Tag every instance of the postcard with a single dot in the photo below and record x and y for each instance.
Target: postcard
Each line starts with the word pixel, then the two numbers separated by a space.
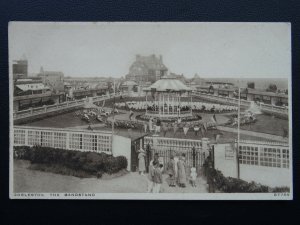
pixel 150 110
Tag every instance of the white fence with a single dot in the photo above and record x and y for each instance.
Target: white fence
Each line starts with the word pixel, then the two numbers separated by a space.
pixel 267 163
pixel 264 154
pixel 57 107
pixel 80 140
pixel 228 100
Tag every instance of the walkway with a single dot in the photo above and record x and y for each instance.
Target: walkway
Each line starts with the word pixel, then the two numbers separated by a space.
pixel 33 181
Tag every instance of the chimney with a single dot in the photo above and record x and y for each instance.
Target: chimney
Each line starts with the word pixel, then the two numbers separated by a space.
pixel 160 58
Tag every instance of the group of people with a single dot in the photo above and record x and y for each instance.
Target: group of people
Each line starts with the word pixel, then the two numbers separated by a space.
pixel 196 106
pixel 175 168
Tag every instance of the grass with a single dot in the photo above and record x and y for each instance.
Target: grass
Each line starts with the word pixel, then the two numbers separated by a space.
pixel 268 124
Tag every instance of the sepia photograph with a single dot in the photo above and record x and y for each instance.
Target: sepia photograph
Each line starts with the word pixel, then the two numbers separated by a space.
pixel 150 110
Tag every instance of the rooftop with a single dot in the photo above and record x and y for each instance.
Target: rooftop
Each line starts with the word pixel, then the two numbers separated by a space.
pixel 151 62
pixel 168 83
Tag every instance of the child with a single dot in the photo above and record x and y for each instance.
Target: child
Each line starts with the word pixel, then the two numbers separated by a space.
pixel 157 178
pixel 193 176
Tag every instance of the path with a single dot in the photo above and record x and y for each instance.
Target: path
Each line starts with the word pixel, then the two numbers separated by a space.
pixel 26 180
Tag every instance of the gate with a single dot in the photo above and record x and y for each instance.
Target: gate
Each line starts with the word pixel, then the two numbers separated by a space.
pixel 165 147
pixel 135 147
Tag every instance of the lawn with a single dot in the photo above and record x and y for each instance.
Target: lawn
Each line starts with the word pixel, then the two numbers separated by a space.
pixel 268 124
pixel 61 121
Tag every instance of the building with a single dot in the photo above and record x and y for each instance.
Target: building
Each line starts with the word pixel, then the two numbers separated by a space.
pixel 20 69
pixel 29 87
pixel 147 68
pixel 271 98
pixel 129 86
pixel 53 79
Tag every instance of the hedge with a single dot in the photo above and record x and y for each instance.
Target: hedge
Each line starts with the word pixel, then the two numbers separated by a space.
pixel 89 162
pixel 217 181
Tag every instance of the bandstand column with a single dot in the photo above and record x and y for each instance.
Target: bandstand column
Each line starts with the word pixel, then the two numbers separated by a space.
pixel 158 103
pixel 163 107
pixel 191 105
pixel 179 104
pixel 146 102
pixel 168 105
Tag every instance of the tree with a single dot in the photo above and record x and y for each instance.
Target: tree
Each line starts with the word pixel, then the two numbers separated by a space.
pixel 272 88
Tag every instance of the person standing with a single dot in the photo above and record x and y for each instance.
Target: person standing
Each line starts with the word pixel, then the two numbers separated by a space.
pixel 158 124
pixel 165 127
pixel 150 125
pixel 193 176
pixel 150 187
pixel 145 127
pixel 130 114
pixel 175 128
pixel 181 172
pixel 171 171
pixel 196 129
pixel 157 178
pixel 141 158
pixel 179 120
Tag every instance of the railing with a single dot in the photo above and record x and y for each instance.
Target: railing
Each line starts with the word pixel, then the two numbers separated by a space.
pixel 273 108
pixel 262 106
pixel 165 147
pixel 222 99
pixel 51 108
pixel 79 140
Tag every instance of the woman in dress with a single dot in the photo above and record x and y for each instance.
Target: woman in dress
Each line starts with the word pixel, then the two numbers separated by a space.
pixel 181 172
pixel 141 158
pixel 171 171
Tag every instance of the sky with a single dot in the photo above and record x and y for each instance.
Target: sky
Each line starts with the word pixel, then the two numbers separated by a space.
pixel 108 49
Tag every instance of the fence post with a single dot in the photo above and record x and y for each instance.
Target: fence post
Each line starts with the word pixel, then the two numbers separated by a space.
pixel 194 156
pixel 26 137
pixel 68 141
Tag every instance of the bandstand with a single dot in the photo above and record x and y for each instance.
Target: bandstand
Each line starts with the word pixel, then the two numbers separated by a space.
pixel 165 101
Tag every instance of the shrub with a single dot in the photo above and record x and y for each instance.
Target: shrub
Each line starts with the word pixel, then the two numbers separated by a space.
pixel 89 162
pixel 218 181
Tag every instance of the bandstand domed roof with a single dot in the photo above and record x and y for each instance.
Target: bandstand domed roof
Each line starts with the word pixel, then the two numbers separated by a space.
pixel 168 83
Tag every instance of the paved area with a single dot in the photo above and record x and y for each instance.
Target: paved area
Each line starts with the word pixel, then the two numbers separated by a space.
pixel 26 180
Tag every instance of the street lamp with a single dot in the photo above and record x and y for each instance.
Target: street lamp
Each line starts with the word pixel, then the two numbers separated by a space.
pixel 238 131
